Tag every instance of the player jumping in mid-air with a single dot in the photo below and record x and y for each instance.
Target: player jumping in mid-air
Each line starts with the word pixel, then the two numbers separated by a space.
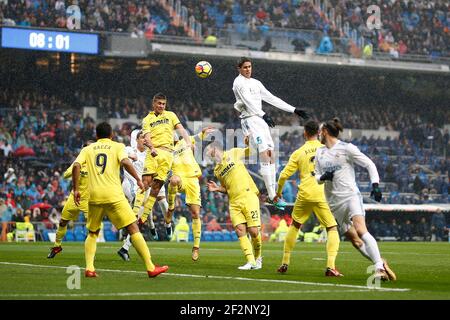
pixel 310 198
pixel 158 129
pixel 103 160
pixel 243 199
pixel 136 152
pixel 185 175
pixel 70 211
pixel 334 166
pixel 255 122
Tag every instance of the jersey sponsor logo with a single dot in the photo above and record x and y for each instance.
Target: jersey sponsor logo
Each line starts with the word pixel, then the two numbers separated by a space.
pixel 330 167
pixel 158 122
pixel 227 169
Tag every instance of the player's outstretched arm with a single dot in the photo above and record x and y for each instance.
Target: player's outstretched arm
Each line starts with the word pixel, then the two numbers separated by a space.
pixel 68 173
pixel 76 168
pixel 288 171
pixel 213 187
pixel 148 143
pixel 180 129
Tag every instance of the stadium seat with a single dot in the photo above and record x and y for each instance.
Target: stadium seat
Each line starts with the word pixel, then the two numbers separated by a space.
pixel 191 236
pixel 226 235
pixel 69 236
pixel 207 236
pixel 234 236
pixel 110 235
pixel 217 236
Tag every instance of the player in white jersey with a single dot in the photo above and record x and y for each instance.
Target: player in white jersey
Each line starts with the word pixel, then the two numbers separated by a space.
pixel 334 166
pixel 137 153
pixel 249 94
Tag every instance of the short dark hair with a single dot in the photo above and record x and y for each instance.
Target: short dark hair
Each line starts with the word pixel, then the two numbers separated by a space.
pixel 242 60
pixel 333 126
pixel 139 134
pixel 159 96
pixel 103 130
pixel 311 128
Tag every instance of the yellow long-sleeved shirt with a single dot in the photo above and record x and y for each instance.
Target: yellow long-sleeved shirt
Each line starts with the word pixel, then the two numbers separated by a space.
pixel 303 161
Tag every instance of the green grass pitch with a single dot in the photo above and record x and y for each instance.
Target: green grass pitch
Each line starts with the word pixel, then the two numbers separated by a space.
pixel 26 273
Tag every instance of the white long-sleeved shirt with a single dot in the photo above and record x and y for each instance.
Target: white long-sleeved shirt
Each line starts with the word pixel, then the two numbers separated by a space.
pixel 249 95
pixel 341 159
pixel 138 164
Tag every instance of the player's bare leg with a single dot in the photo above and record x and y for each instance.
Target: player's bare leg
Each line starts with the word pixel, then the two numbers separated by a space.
pixel 246 246
pixel 371 247
pixel 359 245
pixel 196 230
pixel 60 233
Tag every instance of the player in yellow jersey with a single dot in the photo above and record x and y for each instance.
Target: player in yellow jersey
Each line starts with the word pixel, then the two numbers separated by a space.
pixel 70 211
pixel 103 160
pixel 242 193
pixel 185 178
pixel 158 128
pixel 310 198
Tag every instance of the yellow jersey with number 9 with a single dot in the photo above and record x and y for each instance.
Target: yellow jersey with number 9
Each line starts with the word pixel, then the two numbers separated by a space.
pixel 102 160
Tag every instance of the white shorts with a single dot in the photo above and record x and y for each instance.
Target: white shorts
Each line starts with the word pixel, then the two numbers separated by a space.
pixel 130 188
pixel 259 133
pixel 344 211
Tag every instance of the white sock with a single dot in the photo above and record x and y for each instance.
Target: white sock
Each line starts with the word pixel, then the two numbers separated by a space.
pixel 267 174
pixel 372 250
pixel 273 178
pixel 164 205
pixel 127 243
pixel 150 220
pixel 363 251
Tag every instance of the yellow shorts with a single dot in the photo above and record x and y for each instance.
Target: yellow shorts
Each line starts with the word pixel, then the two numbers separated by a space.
pixel 119 213
pixel 158 166
pixel 303 209
pixel 191 188
pixel 246 210
pixel 71 212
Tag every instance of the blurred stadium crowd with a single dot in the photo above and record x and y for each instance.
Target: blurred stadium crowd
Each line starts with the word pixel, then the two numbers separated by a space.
pixel 413 27
pixel 40 136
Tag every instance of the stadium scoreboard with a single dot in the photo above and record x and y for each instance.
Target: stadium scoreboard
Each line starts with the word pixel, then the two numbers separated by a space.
pixel 58 41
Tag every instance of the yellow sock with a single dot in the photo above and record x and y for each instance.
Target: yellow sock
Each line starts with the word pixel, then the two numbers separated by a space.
pixel 138 202
pixel 90 247
pixel 256 242
pixel 60 235
pixel 142 249
pixel 289 243
pixel 246 246
pixel 171 195
pixel 332 248
pixel 150 203
pixel 197 231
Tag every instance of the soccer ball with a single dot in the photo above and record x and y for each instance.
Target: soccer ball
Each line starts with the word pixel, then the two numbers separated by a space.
pixel 203 69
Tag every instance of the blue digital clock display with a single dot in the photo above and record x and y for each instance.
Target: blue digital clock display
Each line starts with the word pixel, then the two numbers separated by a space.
pixel 36 39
